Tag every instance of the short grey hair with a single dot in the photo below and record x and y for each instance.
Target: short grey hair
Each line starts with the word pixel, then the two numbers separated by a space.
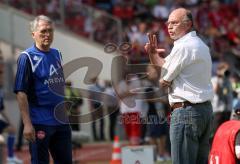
pixel 189 17
pixel 34 23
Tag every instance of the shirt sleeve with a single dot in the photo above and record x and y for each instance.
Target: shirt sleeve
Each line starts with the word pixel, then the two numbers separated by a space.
pixel 23 75
pixel 174 63
pixel 60 56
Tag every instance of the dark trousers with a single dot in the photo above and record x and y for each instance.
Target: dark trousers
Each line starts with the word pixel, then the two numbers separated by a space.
pixel 101 130
pixel 53 139
pixel 98 116
pixel 113 120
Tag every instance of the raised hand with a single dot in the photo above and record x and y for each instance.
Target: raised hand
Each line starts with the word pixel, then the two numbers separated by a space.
pixel 155 53
pixel 152 46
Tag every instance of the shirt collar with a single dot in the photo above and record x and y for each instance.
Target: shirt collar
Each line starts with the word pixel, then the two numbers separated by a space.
pixel 37 49
pixel 186 36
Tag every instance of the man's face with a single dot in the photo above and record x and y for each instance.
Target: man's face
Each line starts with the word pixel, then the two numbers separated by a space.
pixel 177 25
pixel 43 35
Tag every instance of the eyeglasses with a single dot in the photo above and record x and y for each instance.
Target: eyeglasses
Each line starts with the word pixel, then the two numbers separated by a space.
pixel 46 31
pixel 175 23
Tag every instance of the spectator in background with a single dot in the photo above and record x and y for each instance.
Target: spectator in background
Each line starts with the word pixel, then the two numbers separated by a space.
pixel 111 109
pixel 160 11
pixel 222 99
pixel 227 93
pixel 124 11
pixel 100 30
pixel 192 2
pixel 104 5
pixel 236 82
pixel 53 10
pixel 234 32
pixel 234 103
pixel 157 115
pixel 226 142
pixel 130 113
pixel 177 4
pixel 141 10
pixel 216 16
pixel 5 124
pixel 95 104
pixel 39 75
pixel 139 36
pixel 73 96
pixel 202 18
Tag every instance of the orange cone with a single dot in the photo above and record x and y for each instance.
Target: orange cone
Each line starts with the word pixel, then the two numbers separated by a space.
pixel 116 155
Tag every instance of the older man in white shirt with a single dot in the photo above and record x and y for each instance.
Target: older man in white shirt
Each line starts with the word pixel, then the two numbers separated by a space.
pixel 186 71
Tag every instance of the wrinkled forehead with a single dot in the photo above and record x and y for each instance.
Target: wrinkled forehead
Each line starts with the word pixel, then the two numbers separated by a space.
pixel 44 24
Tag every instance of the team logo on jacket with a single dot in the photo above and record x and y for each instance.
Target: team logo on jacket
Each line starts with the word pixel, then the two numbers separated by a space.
pixel 35 62
pixel 52 70
pixel 41 134
pixel 36 58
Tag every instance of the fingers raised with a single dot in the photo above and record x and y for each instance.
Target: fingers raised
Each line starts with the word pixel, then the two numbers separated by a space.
pixel 150 38
pixel 155 40
pixel 160 50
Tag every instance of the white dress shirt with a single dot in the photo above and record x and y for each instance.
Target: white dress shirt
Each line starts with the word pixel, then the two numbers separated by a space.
pixel 188 67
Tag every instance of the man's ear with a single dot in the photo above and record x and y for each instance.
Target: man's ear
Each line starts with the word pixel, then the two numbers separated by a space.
pixel 190 24
pixel 33 34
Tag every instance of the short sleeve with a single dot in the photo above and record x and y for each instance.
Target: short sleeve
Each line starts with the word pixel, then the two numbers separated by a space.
pixel 23 74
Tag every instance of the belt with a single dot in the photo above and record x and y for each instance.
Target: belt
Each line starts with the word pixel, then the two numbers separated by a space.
pixel 181 105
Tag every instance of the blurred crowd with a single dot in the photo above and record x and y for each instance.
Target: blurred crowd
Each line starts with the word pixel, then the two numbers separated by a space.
pixel 216 20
